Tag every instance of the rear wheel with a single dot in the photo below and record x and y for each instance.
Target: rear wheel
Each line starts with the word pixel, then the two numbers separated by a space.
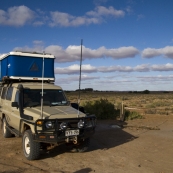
pixel 31 148
pixel 5 131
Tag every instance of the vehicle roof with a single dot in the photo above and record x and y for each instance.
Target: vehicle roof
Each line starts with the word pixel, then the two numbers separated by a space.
pixel 37 85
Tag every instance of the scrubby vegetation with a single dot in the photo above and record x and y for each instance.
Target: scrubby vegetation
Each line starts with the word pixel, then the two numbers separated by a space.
pixel 132 115
pixel 102 108
pixel 160 103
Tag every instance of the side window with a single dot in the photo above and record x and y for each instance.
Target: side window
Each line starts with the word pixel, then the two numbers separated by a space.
pixel 9 93
pixel 4 92
pixel 17 97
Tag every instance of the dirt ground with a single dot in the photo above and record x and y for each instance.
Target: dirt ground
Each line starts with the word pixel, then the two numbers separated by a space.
pixel 139 146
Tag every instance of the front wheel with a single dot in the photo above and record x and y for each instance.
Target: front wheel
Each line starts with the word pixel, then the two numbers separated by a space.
pixel 5 131
pixel 31 148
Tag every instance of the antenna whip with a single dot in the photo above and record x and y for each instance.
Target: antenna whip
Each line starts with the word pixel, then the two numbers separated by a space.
pixel 80 77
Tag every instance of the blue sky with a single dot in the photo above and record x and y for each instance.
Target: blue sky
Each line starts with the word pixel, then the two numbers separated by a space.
pixel 127 44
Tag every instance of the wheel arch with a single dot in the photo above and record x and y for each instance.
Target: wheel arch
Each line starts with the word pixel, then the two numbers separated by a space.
pixel 25 126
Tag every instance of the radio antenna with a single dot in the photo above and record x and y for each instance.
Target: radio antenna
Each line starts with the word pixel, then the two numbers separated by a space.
pixel 80 78
pixel 42 87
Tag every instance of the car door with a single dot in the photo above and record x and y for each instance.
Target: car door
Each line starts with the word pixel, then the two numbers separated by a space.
pixel 15 113
pixel 6 104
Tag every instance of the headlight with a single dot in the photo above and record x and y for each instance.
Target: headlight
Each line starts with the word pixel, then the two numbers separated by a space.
pixel 80 124
pixel 63 125
pixel 49 124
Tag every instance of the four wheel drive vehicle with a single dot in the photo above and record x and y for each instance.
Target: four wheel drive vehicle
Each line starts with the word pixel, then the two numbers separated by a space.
pixel 51 123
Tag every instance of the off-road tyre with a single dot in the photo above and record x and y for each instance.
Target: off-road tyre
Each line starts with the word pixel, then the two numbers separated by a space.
pixel 5 131
pixel 31 148
pixel 83 146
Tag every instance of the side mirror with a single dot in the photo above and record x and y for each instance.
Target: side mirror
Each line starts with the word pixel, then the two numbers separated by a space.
pixel 14 104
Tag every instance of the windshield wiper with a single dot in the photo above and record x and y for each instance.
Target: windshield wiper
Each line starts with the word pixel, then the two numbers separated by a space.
pixel 55 103
pixel 32 104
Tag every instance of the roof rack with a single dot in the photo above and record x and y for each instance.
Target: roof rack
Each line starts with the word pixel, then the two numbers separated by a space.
pixel 7 80
pixel 33 52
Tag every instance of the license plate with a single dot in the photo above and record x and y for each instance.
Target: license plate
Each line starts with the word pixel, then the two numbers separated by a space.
pixel 71 132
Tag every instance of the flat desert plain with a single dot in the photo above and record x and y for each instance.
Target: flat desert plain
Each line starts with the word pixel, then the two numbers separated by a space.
pixel 136 146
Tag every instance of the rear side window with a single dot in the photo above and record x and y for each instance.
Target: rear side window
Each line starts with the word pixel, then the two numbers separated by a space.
pixel 4 92
pixel 17 97
pixel 9 93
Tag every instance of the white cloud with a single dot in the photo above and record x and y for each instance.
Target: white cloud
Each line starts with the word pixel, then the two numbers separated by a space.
pixel 142 68
pixel 122 52
pixel 151 52
pixel 69 80
pixel 91 17
pixel 21 15
pixel 168 51
pixel 73 53
pixel 118 68
pixel 66 20
pixel 87 68
pixel 164 67
pixel 60 54
pixel 16 16
pixel 74 69
pixel 156 78
pixel 103 11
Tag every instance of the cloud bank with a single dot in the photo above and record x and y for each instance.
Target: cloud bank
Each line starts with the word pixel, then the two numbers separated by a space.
pixel 152 52
pixel 87 68
pixel 72 53
pixel 21 15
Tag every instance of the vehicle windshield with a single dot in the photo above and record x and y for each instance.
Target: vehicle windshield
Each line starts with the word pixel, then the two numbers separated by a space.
pixel 32 97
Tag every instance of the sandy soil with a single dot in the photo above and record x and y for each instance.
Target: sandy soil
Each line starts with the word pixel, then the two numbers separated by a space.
pixel 141 146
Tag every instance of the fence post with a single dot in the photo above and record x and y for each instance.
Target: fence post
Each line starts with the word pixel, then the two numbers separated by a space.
pixel 122 112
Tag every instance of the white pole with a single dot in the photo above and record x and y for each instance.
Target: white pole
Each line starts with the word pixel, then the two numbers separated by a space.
pixel 42 88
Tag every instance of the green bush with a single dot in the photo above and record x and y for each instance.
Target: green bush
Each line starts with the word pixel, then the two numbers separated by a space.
pixel 132 115
pixel 102 108
pixel 146 92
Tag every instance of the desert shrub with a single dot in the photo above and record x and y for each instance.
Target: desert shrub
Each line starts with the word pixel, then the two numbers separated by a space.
pixel 150 106
pixel 162 112
pixel 125 98
pixel 132 115
pixel 146 92
pixel 102 108
pixel 150 111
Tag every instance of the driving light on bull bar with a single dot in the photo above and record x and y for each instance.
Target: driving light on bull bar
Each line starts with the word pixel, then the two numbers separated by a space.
pixel 89 124
pixel 49 124
pixel 63 125
pixel 80 124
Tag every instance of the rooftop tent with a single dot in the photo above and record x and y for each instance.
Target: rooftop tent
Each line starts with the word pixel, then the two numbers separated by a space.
pixel 26 66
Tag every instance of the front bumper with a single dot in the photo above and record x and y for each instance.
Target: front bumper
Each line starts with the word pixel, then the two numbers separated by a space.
pixel 57 135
